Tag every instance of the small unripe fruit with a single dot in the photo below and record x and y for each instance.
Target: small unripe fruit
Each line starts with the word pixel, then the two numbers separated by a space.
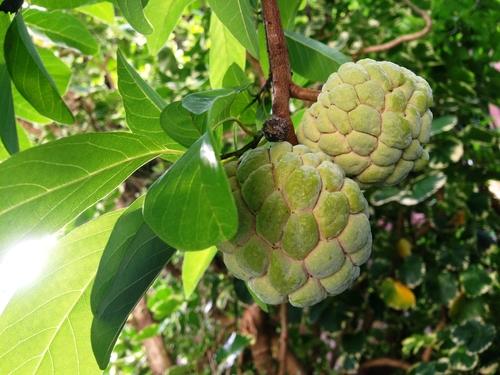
pixel 372 118
pixel 303 227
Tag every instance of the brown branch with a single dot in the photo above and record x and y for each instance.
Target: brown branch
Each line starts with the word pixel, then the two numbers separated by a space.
pixel 158 358
pixel 403 38
pixel 385 362
pixel 279 65
pixel 283 338
pixel 254 324
pixel 303 93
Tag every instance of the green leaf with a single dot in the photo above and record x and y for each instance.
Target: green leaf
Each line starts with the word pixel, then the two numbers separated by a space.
pixel 24 142
pixel 50 185
pixel 312 59
pixel 30 76
pixel 225 50
pixel 45 329
pixel 8 133
pixel 132 259
pixel 163 15
pixel 194 265
pixel 134 13
pixel 443 288
pixel 234 345
pixel 181 125
pixel 214 105
pixel 475 335
pixel 288 12
pixel 423 188
pixel 475 281
pixel 143 105
pixel 460 360
pixel 238 17
pixel 443 124
pixel 419 190
pixel 104 12
pixel 191 206
pixel 62 28
pixel 60 73
pixel 63 4
pixel 412 271
pixel 4 26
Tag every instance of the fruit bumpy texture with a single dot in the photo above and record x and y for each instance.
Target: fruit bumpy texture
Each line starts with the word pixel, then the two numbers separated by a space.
pixel 303 227
pixel 372 118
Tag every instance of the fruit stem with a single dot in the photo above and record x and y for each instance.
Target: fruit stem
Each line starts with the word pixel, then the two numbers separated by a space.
pixel 283 338
pixel 279 65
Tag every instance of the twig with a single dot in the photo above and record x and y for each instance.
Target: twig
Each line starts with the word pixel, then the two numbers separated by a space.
pixel 427 353
pixel 252 144
pixel 403 38
pixel 303 93
pixel 283 339
pixel 279 65
pixel 385 362
pixel 158 358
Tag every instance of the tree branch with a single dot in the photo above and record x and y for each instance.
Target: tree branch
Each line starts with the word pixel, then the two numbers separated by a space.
pixel 385 362
pixel 158 358
pixel 303 93
pixel 403 38
pixel 279 64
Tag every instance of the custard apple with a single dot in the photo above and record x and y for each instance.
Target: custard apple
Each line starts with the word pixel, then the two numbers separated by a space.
pixel 303 227
pixel 372 118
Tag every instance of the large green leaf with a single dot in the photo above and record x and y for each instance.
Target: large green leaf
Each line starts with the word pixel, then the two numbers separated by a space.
pixel 104 12
pixel 238 17
pixel 8 133
pixel 62 28
pixel 180 124
pixel 46 187
pixel 63 4
pixel 191 206
pixel 134 13
pixel 30 76
pixel 45 329
pixel 143 105
pixel 312 59
pixel 133 257
pixel 225 50
pixel 194 265
pixel 163 15
pixel 60 73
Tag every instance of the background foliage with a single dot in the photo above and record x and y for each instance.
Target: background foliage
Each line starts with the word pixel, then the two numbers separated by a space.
pixel 429 296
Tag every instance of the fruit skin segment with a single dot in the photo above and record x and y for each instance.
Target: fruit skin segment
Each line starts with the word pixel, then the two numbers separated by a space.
pixel 303 226
pixel 373 119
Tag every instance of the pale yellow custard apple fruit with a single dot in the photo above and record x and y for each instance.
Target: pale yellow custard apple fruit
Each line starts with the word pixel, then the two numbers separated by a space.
pixel 303 227
pixel 372 118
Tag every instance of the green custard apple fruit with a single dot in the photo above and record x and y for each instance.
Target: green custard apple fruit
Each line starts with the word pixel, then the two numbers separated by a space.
pixel 372 118
pixel 303 227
